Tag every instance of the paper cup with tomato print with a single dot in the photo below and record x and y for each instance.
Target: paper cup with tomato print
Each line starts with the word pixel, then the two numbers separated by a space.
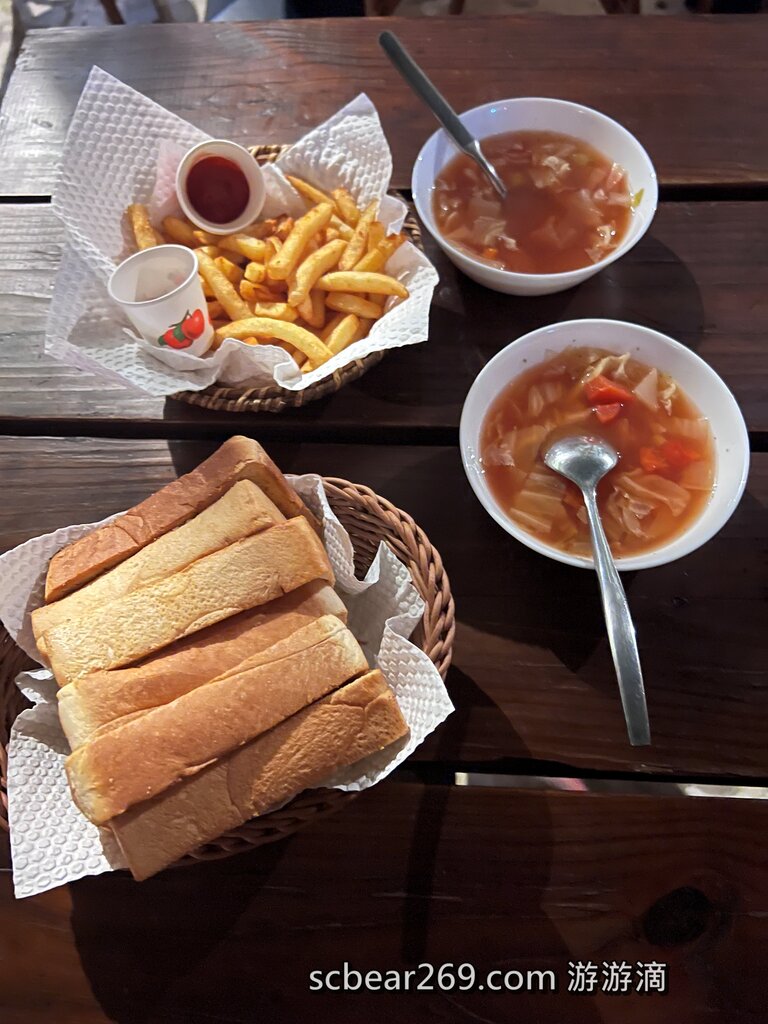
pixel 159 290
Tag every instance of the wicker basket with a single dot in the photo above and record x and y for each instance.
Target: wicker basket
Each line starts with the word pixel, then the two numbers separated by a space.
pixel 369 520
pixel 274 398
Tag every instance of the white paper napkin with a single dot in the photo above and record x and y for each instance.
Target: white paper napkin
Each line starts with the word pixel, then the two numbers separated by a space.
pixel 51 841
pixel 123 148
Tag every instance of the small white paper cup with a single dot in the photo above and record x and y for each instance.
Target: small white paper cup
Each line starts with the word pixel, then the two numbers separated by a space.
pixel 243 159
pixel 159 290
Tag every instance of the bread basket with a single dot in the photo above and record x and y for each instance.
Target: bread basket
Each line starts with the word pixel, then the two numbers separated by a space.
pixel 369 519
pixel 274 398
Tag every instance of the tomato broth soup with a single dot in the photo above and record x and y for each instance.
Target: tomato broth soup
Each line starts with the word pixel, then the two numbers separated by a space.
pixel 665 473
pixel 568 205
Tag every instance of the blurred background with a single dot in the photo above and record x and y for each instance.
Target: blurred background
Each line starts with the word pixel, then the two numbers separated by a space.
pixel 20 16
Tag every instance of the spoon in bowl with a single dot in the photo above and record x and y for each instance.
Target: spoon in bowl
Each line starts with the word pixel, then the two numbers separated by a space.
pixel 439 106
pixel 585 461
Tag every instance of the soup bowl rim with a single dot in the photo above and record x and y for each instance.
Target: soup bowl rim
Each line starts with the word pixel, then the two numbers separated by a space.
pixel 700 530
pixel 422 198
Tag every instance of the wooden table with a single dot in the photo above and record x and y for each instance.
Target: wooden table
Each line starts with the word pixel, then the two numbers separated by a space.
pixel 423 869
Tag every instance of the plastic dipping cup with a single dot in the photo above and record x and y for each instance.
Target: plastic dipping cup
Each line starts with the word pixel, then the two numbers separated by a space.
pixel 159 290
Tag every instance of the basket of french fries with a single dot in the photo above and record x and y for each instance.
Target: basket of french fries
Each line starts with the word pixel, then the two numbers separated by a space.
pixel 294 305
pixel 352 240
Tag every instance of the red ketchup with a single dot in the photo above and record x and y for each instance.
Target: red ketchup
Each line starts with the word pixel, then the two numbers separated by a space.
pixel 217 189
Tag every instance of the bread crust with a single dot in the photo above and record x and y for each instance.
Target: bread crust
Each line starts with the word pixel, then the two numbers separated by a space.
pixel 240 512
pixel 154 749
pixel 340 730
pixel 97 700
pixel 246 574
pixel 239 458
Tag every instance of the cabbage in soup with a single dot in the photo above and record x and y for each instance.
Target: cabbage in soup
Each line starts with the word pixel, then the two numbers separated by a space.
pixel 665 472
pixel 568 205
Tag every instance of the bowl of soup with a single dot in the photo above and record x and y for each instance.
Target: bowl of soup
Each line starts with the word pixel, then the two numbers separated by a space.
pixel 581 192
pixel 682 443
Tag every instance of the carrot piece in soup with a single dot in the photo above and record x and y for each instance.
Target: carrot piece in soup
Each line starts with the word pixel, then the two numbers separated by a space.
pixel 607 413
pixel 601 391
pixel 678 454
pixel 652 460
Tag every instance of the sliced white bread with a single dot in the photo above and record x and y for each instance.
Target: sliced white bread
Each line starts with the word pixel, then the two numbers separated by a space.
pixel 341 729
pixel 242 511
pixel 239 458
pixel 150 751
pixel 243 575
pixel 99 699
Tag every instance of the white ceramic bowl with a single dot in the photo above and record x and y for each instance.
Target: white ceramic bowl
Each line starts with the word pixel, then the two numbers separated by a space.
pixel 538 114
pixel 698 380
pixel 238 155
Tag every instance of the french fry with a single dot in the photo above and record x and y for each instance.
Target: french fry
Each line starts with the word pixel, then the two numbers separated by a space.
pixel 234 305
pixel 376 259
pixel 276 311
pixel 242 244
pixel 376 234
pixel 360 281
pixel 310 193
pixel 275 245
pixel 255 292
pixel 346 206
pixel 230 270
pixel 255 272
pixel 363 328
pixel 306 227
pixel 313 309
pixel 331 234
pixel 145 235
pixel 332 324
pixel 313 267
pixel 180 231
pixel 207 290
pixel 210 250
pixel 305 310
pixel 345 231
pixel 356 248
pixel 262 327
pixel 346 303
pixel 203 238
pixel 342 334
pixel 215 310
pixel 262 228
pixel 250 341
pixel 284 228
pixel 380 300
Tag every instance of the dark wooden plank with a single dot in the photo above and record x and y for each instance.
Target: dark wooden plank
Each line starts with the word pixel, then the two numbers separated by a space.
pixel 405 875
pixel 532 675
pixel 700 275
pixel 688 88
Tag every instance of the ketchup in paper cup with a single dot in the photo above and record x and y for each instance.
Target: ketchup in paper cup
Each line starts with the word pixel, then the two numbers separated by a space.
pixel 220 187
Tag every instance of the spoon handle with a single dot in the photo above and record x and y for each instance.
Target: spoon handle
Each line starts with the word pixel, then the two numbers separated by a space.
pixel 621 630
pixel 439 106
pixel 422 86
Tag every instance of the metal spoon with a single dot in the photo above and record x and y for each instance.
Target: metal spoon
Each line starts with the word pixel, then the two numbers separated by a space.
pixel 585 461
pixel 437 103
